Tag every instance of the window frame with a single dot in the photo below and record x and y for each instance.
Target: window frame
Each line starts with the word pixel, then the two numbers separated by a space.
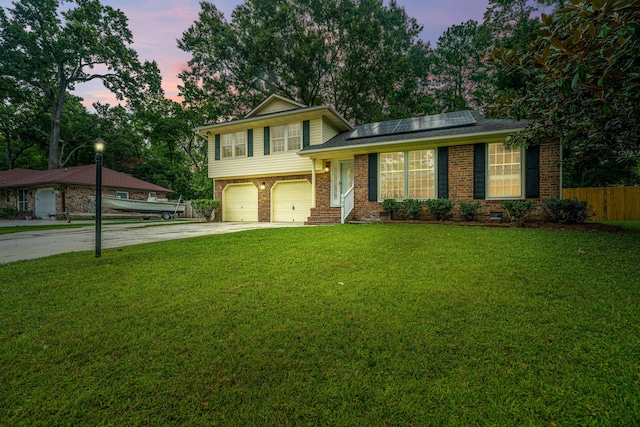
pixel 125 193
pixel 22 203
pixel 286 138
pixel 488 173
pixel 231 142
pixel 407 174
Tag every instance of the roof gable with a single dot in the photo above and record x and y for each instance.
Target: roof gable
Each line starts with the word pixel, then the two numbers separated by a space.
pixel 274 104
pixel 84 176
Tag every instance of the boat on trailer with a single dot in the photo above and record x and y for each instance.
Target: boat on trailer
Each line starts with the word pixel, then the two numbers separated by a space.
pixel 167 209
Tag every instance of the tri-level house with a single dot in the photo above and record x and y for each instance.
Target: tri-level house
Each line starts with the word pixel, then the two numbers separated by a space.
pixel 287 162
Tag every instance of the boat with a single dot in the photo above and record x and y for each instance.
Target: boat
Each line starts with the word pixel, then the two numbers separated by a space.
pixel 153 205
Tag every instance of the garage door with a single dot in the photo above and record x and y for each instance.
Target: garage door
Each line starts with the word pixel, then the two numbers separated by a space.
pixel 240 203
pixel 291 201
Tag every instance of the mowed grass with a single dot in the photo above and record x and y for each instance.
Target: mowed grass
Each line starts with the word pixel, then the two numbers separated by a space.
pixel 349 325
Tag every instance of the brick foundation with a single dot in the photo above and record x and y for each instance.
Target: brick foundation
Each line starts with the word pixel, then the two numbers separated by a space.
pixel 461 183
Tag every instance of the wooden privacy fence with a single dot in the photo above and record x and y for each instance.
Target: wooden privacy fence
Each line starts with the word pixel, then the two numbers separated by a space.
pixel 608 203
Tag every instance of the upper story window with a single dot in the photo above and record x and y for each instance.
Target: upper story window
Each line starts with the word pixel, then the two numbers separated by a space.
pixel 286 137
pixel 408 174
pixel 505 171
pixel 233 145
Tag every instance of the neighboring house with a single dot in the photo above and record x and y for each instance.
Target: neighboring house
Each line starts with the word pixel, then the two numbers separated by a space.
pixel 72 190
pixel 287 162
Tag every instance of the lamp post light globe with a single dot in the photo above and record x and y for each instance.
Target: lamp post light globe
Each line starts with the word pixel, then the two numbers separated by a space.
pixel 99 145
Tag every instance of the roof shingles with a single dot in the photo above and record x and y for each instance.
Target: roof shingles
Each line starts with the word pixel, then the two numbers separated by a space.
pixel 75 175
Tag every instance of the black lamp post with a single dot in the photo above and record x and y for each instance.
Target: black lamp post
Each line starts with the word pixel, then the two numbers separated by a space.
pixel 98 145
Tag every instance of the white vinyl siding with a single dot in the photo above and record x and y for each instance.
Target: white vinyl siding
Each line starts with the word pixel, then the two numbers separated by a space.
pixel 260 165
pixel 505 172
pixel 408 174
pixel 328 131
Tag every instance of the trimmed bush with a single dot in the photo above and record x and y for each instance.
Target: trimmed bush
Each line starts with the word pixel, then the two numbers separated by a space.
pixel 391 206
pixel 206 207
pixel 412 208
pixel 566 211
pixel 439 209
pixel 470 210
pixel 7 211
pixel 518 210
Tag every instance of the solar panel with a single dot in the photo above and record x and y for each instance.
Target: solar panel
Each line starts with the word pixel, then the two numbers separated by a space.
pixel 415 124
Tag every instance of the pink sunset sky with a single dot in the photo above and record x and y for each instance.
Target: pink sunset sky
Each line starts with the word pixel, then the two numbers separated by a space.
pixel 157 24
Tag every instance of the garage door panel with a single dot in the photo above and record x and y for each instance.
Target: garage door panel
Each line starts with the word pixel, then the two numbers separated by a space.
pixel 240 203
pixel 291 201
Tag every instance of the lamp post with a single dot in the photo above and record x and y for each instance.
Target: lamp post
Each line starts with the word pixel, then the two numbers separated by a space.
pixel 98 145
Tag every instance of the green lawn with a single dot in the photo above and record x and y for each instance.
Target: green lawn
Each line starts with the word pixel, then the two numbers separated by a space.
pixel 354 325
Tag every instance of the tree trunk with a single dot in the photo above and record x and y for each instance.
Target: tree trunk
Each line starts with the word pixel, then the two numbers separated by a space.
pixel 57 104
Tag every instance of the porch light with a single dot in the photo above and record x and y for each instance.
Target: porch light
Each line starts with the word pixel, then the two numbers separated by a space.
pixel 263 186
pixel 327 167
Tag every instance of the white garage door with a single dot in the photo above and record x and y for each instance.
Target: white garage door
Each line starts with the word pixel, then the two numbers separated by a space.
pixel 291 201
pixel 240 203
pixel 46 203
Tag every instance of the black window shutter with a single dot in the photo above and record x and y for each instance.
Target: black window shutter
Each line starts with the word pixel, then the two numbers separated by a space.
pixel 479 171
pixel 306 137
pixel 250 143
pixel 532 175
pixel 217 147
pixel 443 172
pixel 267 141
pixel 373 177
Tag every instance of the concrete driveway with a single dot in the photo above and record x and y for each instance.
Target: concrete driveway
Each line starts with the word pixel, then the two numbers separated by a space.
pixel 37 244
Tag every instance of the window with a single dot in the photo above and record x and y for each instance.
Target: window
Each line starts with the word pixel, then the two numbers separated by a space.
pixel 408 174
pixel 122 194
pixel 23 200
pixel 233 145
pixel 285 138
pixel 505 171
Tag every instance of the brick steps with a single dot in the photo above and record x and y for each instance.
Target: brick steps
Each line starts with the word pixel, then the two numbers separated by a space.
pixel 324 216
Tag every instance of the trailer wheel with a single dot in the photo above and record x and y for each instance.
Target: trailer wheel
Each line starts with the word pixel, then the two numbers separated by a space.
pixel 166 215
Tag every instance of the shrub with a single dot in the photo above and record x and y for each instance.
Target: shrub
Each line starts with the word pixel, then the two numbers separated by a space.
pixel 439 209
pixel 206 207
pixel 566 211
pixel 390 206
pixel 517 210
pixel 412 208
pixel 469 210
pixel 7 211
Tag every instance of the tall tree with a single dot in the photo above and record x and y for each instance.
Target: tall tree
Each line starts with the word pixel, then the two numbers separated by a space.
pixel 48 48
pixel 461 77
pixel 582 80
pixel 352 54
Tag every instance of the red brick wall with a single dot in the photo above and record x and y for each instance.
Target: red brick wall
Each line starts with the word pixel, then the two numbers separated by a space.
pixel 461 182
pixel 264 196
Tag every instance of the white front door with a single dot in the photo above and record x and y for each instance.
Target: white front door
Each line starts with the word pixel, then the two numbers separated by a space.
pixel 46 203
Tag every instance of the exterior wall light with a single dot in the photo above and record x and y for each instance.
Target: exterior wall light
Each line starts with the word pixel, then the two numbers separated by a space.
pixel 263 186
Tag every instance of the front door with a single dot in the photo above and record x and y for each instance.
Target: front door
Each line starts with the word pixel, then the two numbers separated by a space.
pixel 346 176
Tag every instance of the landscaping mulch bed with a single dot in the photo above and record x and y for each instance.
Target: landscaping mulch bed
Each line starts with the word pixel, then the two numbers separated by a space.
pixel 587 226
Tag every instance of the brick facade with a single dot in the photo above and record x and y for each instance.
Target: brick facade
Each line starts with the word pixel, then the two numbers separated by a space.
pixel 264 196
pixel 460 177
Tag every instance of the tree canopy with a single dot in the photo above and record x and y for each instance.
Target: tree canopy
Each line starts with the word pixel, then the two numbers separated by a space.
pixel 360 56
pixel 582 77
pixel 49 48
